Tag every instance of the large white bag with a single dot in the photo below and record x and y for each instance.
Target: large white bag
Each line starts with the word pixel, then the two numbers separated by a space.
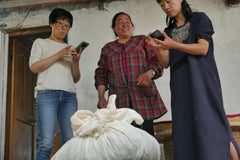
pixel 108 134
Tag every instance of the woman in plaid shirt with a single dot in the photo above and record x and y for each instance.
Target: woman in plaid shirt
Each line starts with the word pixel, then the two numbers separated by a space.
pixel 127 68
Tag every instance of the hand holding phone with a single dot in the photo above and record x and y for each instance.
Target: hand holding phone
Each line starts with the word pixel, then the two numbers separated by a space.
pixel 158 35
pixel 82 45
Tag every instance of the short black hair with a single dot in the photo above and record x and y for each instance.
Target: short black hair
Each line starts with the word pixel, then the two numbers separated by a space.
pixel 60 14
pixel 115 18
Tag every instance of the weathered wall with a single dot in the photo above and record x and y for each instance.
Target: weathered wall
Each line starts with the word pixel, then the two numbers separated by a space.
pixel 94 25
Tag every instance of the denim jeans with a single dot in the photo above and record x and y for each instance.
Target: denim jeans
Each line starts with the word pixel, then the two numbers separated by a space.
pixel 51 105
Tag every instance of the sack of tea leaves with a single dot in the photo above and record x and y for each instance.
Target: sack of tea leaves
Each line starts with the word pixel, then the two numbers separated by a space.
pixel 108 134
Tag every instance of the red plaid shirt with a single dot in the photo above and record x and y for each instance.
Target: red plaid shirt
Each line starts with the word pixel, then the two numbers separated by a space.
pixel 139 58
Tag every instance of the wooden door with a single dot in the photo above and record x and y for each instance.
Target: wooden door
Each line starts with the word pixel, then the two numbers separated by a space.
pixel 21 131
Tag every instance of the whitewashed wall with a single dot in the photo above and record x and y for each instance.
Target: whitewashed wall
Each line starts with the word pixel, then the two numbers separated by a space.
pixel 94 25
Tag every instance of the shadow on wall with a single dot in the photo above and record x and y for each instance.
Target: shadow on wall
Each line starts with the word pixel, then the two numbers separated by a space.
pixel 233 3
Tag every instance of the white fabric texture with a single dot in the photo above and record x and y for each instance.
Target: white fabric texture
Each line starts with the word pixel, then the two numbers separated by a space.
pixel 59 75
pixel 108 134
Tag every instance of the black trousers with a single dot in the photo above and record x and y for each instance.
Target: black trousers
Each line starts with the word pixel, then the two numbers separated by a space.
pixel 146 126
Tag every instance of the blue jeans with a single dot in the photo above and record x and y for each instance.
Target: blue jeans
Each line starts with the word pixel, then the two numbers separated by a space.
pixel 52 104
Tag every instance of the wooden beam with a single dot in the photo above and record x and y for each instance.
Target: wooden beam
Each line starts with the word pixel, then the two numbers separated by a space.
pixel 28 31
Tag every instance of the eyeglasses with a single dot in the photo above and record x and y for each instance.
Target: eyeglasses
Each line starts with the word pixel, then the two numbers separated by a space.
pixel 60 24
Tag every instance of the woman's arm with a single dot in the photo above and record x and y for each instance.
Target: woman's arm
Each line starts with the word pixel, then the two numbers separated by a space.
pixel 102 102
pixel 101 80
pixel 162 48
pixel 75 66
pixel 162 55
pixel 199 48
pixel 44 64
pixel 76 72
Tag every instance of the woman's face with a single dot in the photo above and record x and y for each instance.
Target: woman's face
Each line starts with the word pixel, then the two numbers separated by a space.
pixel 60 28
pixel 171 7
pixel 123 26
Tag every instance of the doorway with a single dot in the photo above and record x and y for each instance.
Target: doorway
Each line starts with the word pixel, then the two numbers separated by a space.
pixel 21 128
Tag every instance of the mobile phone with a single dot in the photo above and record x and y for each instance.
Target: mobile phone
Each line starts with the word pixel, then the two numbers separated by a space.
pixel 157 34
pixel 82 45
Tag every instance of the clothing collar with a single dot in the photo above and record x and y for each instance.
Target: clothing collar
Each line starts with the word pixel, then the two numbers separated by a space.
pixel 123 44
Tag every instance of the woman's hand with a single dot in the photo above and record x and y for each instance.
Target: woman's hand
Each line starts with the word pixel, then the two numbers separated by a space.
pixel 161 45
pixel 145 79
pixel 75 65
pixel 66 52
pixel 76 56
pixel 44 64
pixel 162 48
pixel 199 48
pixel 102 103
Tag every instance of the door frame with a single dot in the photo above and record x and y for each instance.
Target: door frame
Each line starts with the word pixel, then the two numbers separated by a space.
pixel 10 34
pixel 3 88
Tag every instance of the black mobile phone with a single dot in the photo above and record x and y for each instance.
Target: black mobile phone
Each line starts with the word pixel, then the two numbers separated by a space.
pixel 157 34
pixel 82 45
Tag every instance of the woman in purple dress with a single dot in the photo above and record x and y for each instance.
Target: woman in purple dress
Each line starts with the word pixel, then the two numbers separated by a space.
pixel 200 127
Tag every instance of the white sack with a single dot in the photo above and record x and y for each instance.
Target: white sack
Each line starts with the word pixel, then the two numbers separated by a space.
pixel 108 134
